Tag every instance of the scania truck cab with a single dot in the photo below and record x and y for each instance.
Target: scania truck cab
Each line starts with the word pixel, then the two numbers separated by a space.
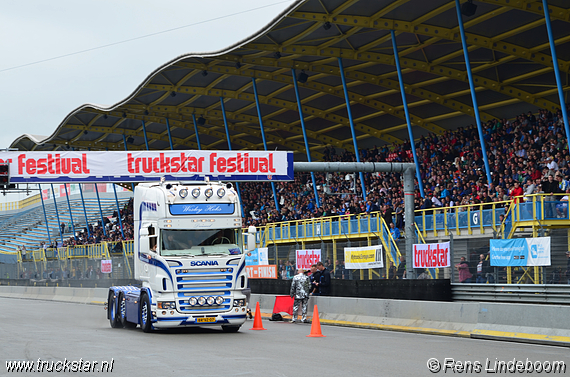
pixel 188 258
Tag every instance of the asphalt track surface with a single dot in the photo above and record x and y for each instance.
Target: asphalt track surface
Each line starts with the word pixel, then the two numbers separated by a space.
pixel 52 331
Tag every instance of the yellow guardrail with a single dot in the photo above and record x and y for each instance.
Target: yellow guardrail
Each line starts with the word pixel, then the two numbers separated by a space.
pixel 11 206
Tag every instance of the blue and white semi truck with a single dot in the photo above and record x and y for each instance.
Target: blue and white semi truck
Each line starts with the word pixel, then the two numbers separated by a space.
pixel 188 257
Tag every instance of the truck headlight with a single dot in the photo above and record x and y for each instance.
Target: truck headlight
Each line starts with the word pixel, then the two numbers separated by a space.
pixel 193 301
pixel 219 300
pixel 201 301
pixel 166 305
pixel 211 300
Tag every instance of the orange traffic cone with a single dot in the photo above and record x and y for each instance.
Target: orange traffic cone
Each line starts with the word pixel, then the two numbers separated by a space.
pixel 316 325
pixel 257 325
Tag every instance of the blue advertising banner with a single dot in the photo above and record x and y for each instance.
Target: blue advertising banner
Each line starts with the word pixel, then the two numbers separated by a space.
pixel 257 256
pixel 520 252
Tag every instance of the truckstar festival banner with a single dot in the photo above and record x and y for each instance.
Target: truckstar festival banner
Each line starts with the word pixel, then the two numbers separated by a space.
pixel 306 258
pixel 137 166
pixel 520 252
pixel 432 255
pixel 363 257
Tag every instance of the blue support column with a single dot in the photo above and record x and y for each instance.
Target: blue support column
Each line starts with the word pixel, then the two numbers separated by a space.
pixel 45 215
pixel 126 149
pixel 84 209
pixel 57 214
pixel 302 118
pixel 473 94
pixel 263 137
pixel 118 208
pixel 100 210
pixel 118 212
pixel 169 135
pixel 405 103
pixel 556 69
pixel 144 133
pixel 230 148
pixel 196 131
pixel 70 213
pixel 351 124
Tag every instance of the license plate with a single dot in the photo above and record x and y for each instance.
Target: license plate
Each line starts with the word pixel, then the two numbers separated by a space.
pixel 209 319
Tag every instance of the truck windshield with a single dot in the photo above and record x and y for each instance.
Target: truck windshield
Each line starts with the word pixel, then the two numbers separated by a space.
pixel 199 242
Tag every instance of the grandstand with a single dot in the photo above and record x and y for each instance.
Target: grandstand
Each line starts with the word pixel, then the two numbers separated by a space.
pixel 26 227
pixel 340 55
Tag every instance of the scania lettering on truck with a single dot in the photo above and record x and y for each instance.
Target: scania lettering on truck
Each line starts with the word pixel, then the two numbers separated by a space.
pixel 188 258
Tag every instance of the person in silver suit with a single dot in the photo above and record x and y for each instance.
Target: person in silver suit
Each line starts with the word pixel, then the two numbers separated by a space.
pixel 300 288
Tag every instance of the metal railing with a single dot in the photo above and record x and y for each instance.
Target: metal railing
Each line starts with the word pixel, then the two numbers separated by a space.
pixel 519 293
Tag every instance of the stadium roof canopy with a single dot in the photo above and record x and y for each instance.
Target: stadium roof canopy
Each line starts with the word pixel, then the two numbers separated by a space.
pixel 508 48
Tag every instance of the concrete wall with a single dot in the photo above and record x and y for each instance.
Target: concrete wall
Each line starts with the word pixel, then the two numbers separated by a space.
pixel 544 324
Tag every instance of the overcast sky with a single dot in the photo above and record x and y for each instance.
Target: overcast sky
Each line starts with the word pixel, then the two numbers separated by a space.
pixel 35 98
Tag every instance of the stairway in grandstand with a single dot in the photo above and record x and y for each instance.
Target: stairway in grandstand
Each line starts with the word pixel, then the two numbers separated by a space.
pixel 27 227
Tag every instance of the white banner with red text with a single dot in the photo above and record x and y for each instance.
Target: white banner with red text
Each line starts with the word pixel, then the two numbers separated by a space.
pixel 363 257
pixel 432 255
pixel 137 166
pixel 306 258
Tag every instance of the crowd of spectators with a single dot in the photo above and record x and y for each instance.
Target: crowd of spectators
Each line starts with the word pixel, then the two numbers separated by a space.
pixel 523 153
pixel 526 155
pixel 108 231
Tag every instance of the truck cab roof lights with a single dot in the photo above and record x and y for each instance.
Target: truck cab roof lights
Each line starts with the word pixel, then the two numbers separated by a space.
pixel 196 192
pixel 221 192
pixel 209 192
pixel 183 193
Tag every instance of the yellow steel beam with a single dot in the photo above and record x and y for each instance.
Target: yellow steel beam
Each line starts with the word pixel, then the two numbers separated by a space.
pixel 532 6
pixel 451 34
pixel 337 91
pixel 416 65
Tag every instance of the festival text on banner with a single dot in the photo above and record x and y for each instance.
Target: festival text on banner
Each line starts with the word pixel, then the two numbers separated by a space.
pixel 138 166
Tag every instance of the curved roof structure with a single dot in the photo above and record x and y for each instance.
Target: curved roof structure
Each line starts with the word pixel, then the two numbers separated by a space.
pixel 509 53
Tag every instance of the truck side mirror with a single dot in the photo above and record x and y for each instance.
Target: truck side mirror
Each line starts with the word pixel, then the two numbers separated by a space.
pixel 251 244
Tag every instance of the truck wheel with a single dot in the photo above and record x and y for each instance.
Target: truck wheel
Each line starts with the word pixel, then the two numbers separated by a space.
pixel 122 312
pixel 112 311
pixel 145 313
pixel 230 329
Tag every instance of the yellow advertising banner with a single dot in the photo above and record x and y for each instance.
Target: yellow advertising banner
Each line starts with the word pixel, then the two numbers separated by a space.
pixel 363 257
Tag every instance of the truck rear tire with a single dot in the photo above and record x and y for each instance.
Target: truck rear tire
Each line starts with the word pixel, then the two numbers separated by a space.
pixel 112 311
pixel 230 329
pixel 145 313
pixel 122 312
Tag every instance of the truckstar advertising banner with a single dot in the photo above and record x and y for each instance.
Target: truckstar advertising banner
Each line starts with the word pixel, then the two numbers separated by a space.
pixel 432 255
pixel 363 257
pixel 139 166
pixel 520 252
pixel 306 258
